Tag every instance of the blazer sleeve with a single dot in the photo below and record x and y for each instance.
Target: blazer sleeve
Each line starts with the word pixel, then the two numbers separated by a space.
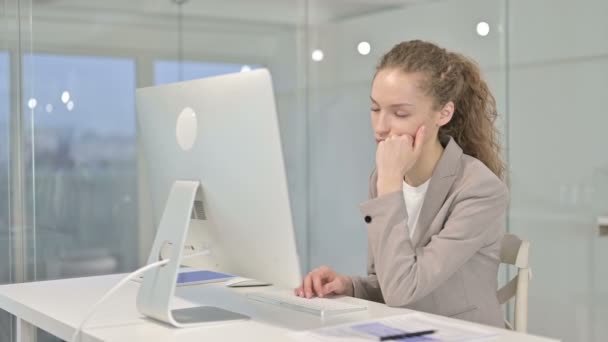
pixel 405 274
pixel 368 287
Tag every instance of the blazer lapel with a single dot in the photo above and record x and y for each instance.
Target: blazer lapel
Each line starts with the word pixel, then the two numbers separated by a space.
pixel 442 179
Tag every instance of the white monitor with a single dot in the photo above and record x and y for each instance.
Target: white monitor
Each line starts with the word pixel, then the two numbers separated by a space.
pixel 222 133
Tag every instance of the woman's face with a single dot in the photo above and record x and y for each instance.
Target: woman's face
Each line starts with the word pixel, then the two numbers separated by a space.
pixel 399 106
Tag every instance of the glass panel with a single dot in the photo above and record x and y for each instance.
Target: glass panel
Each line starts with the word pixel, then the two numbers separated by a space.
pixel 82 209
pixel 342 147
pixel 559 164
pixel 268 34
pixel 5 238
pixel 82 182
pixel 4 167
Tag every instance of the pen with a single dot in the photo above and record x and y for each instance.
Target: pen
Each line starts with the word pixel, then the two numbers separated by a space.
pixel 406 335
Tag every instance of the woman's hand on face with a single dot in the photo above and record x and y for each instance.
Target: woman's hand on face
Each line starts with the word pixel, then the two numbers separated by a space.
pixel 395 156
pixel 324 281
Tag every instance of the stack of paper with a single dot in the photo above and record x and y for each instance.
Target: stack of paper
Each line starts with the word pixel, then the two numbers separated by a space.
pixel 412 322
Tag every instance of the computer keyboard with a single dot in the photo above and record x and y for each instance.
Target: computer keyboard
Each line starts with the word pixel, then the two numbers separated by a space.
pixel 317 306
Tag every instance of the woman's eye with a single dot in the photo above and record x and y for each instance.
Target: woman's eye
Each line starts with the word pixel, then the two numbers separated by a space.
pixel 375 109
pixel 402 115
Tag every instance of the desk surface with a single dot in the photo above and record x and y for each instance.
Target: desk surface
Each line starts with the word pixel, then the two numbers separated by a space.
pixel 58 306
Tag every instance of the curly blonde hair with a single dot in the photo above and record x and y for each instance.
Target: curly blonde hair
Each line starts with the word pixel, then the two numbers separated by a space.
pixel 453 77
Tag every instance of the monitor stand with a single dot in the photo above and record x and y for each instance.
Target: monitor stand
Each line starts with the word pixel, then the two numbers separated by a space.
pixel 158 285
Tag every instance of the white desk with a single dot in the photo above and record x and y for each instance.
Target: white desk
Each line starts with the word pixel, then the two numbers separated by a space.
pixel 58 306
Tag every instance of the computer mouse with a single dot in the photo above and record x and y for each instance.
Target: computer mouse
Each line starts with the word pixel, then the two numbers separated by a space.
pixel 245 282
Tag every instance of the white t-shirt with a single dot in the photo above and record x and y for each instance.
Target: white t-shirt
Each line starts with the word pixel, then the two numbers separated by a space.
pixel 414 197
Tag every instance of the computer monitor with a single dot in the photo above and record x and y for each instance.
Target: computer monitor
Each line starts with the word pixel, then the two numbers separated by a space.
pixel 222 133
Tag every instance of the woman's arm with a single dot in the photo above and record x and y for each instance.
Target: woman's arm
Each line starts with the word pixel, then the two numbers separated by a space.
pixel 368 287
pixel 406 275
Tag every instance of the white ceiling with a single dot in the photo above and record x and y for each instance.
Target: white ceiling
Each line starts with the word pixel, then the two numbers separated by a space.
pixel 290 12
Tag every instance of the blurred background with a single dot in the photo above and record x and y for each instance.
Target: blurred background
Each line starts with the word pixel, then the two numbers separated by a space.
pixel 73 188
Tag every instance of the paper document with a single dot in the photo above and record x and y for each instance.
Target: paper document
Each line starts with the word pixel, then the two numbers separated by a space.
pixel 187 276
pixel 412 322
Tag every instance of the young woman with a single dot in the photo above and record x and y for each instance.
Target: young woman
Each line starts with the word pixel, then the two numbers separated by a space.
pixel 436 212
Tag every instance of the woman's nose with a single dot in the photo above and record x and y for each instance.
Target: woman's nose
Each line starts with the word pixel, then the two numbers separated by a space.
pixel 382 125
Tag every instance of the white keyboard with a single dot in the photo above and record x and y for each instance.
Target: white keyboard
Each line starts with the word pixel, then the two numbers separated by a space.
pixel 316 306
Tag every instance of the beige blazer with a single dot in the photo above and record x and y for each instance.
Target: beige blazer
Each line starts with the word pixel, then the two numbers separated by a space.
pixel 450 266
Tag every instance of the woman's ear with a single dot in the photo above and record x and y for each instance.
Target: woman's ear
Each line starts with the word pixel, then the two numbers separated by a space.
pixel 446 113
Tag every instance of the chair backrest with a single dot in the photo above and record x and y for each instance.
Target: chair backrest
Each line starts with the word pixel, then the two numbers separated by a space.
pixel 515 251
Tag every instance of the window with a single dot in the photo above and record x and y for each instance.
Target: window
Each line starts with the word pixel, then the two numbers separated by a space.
pixel 170 71
pixel 82 174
